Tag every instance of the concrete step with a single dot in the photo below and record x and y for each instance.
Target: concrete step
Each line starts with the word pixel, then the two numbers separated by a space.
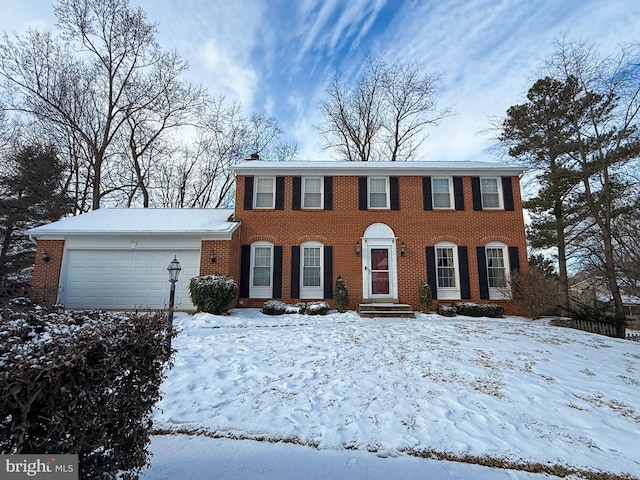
pixel 385 310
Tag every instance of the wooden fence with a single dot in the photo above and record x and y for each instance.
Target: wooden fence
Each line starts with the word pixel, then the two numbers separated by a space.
pixel 610 329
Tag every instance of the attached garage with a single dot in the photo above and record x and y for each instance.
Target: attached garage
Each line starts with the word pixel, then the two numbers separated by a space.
pixel 117 258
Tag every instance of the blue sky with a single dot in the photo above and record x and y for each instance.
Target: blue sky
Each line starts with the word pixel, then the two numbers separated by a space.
pixel 276 55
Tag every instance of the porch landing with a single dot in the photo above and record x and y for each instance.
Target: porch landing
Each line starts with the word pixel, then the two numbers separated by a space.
pixel 385 310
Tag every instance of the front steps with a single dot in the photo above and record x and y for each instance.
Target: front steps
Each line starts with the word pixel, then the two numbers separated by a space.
pixel 385 310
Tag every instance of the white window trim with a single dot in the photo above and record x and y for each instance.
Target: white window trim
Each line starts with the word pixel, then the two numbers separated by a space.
pixel 273 193
pixel 448 293
pixel 451 198
pixel 304 183
pixel 388 194
pixel 499 293
pixel 260 292
pixel 312 292
pixel 500 196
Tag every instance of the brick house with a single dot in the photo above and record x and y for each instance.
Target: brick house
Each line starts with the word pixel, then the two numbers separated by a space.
pixel 385 227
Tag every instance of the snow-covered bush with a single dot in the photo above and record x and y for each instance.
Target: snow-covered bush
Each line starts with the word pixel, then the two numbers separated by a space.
pixel 213 293
pixel 317 308
pixel 82 382
pixel 447 310
pixel 341 295
pixel 424 297
pixel 299 307
pixel 274 307
pixel 471 309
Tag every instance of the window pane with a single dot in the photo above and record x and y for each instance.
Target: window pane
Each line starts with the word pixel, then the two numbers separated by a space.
pixel 262 267
pixel 312 193
pixel 264 192
pixel 446 267
pixel 496 268
pixel 377 193
pixel 440 191
pixel 311 267
pixel 490 196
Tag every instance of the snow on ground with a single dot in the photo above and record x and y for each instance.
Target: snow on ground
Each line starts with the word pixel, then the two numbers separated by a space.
pixel 506 388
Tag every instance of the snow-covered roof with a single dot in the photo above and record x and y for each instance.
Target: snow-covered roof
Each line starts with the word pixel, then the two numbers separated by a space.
pixel 183 221
pixel 259 167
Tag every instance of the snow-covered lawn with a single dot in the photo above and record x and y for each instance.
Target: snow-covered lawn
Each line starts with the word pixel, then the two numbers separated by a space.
pixel 508 389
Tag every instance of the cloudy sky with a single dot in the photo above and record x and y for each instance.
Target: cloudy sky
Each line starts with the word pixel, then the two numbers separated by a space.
pixel 277 55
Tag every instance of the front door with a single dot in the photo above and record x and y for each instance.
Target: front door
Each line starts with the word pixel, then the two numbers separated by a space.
pixel 379 276
pixel 379 264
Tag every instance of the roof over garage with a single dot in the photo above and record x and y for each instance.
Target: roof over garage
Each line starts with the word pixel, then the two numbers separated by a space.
pixel 208 223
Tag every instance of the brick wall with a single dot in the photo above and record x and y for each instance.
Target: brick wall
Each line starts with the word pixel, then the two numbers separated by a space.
pixel 46 274
pixel 343 226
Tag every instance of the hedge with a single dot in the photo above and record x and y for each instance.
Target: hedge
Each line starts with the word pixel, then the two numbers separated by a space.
pixel 82 382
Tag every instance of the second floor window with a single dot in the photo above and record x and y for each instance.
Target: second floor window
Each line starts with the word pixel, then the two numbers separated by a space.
pixel 441 192
pixel 312 192
pixel 265 192
pixel 490 191
pixel 378 192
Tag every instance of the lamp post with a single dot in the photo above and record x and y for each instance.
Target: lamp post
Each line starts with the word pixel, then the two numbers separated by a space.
pixel 174 270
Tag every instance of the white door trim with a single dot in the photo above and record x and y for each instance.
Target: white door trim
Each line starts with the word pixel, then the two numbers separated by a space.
pixel 379 235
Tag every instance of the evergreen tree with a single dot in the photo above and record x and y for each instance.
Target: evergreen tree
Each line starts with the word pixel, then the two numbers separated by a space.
pixel 32 193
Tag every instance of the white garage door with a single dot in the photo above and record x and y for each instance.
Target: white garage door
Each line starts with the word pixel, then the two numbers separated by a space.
pixel 126 279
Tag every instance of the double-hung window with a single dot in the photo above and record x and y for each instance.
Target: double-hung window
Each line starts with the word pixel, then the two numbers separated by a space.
pixel 265 192
pixel 448 276
pixel 311 272
pixel 312 192
pixel 378 192
pixel 261 270
pixel 491 193
pixel 441 191
pixel 497 270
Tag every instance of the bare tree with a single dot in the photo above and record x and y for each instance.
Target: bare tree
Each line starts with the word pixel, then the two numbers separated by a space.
pixel 382 114
pixel 104 70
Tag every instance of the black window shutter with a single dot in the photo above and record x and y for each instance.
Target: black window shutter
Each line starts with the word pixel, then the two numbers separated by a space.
pixel 482 273
pixel 328 272
pixel 245 270
pixel 514 259
pixel 277 271
pixel 295 271
pixel 362 193
pixel 394 193
pixel 463 265
pixel 328 193
pixel 431 272
pixel 458 193
pixel 475 192
pixel 507 193
pixel 427 201
pixel 279 193
pixel 248 193
pixel 297 193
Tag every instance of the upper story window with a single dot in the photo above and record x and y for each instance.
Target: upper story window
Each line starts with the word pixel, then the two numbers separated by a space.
pixel 264 192
pixel 491 193
pixel 378 189
pixel 442 192
pixel 312 192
